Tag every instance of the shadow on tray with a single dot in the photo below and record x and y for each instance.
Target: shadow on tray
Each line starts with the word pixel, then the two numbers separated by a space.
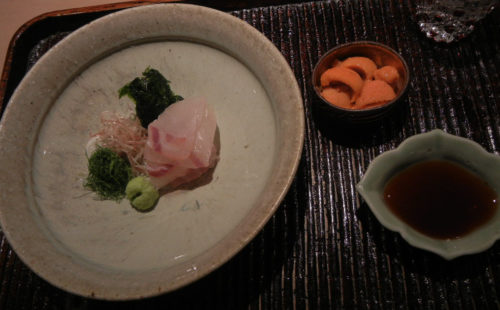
pixel 362 135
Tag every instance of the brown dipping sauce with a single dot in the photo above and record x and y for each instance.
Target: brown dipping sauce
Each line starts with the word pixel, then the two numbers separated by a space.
pixel 440 199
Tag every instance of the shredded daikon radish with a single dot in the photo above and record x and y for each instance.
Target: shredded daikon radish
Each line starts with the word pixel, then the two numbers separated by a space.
pixel 125 136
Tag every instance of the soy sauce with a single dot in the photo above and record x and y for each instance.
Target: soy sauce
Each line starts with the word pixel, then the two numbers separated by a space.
pixel 440 199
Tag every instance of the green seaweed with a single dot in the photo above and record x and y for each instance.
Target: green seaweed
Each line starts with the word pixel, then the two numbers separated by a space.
pixel 108 174
pixel 151 94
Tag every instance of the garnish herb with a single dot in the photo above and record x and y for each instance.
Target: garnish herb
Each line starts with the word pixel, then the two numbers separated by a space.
pixel 151 93
pixel 108 174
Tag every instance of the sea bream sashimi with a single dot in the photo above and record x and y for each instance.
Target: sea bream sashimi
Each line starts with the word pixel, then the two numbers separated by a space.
pixel 180 145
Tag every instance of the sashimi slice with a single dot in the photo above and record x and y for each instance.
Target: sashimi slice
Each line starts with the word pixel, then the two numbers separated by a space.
pixel 204 140
pixel 164 174
pixel 180 144
pixel 173 133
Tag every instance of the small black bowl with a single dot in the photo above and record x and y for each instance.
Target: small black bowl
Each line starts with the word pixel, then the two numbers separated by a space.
pixel 379 53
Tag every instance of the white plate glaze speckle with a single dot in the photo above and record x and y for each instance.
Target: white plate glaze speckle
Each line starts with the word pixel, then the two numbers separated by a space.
pixel 108 250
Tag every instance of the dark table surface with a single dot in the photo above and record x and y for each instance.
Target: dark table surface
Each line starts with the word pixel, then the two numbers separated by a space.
pixel 323 248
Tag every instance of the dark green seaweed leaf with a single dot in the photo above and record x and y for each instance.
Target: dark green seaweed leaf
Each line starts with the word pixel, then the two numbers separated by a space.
pixel 108 174
pixel 151 93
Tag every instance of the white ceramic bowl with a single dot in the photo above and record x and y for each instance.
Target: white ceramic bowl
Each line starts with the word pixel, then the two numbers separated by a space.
pixel 435 144
pixel 104 249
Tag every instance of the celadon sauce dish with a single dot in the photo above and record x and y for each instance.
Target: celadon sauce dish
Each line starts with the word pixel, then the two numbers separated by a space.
pixel 433 145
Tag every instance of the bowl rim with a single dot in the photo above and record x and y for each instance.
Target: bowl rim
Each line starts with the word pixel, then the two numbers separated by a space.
pixel 446 248
pixel 366 42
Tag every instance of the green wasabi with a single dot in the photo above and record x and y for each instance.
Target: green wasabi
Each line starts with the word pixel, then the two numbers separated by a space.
pixel 141 193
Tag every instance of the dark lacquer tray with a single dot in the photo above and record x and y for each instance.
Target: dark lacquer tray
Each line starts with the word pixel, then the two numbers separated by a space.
pixel 323 248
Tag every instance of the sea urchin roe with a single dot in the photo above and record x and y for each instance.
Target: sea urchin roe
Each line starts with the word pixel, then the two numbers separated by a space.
pixel 441 199
pixel 338 96
pixel 364 66
pixel 359 78
pixel 345 76
pixel 388 74
pixel 375 93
